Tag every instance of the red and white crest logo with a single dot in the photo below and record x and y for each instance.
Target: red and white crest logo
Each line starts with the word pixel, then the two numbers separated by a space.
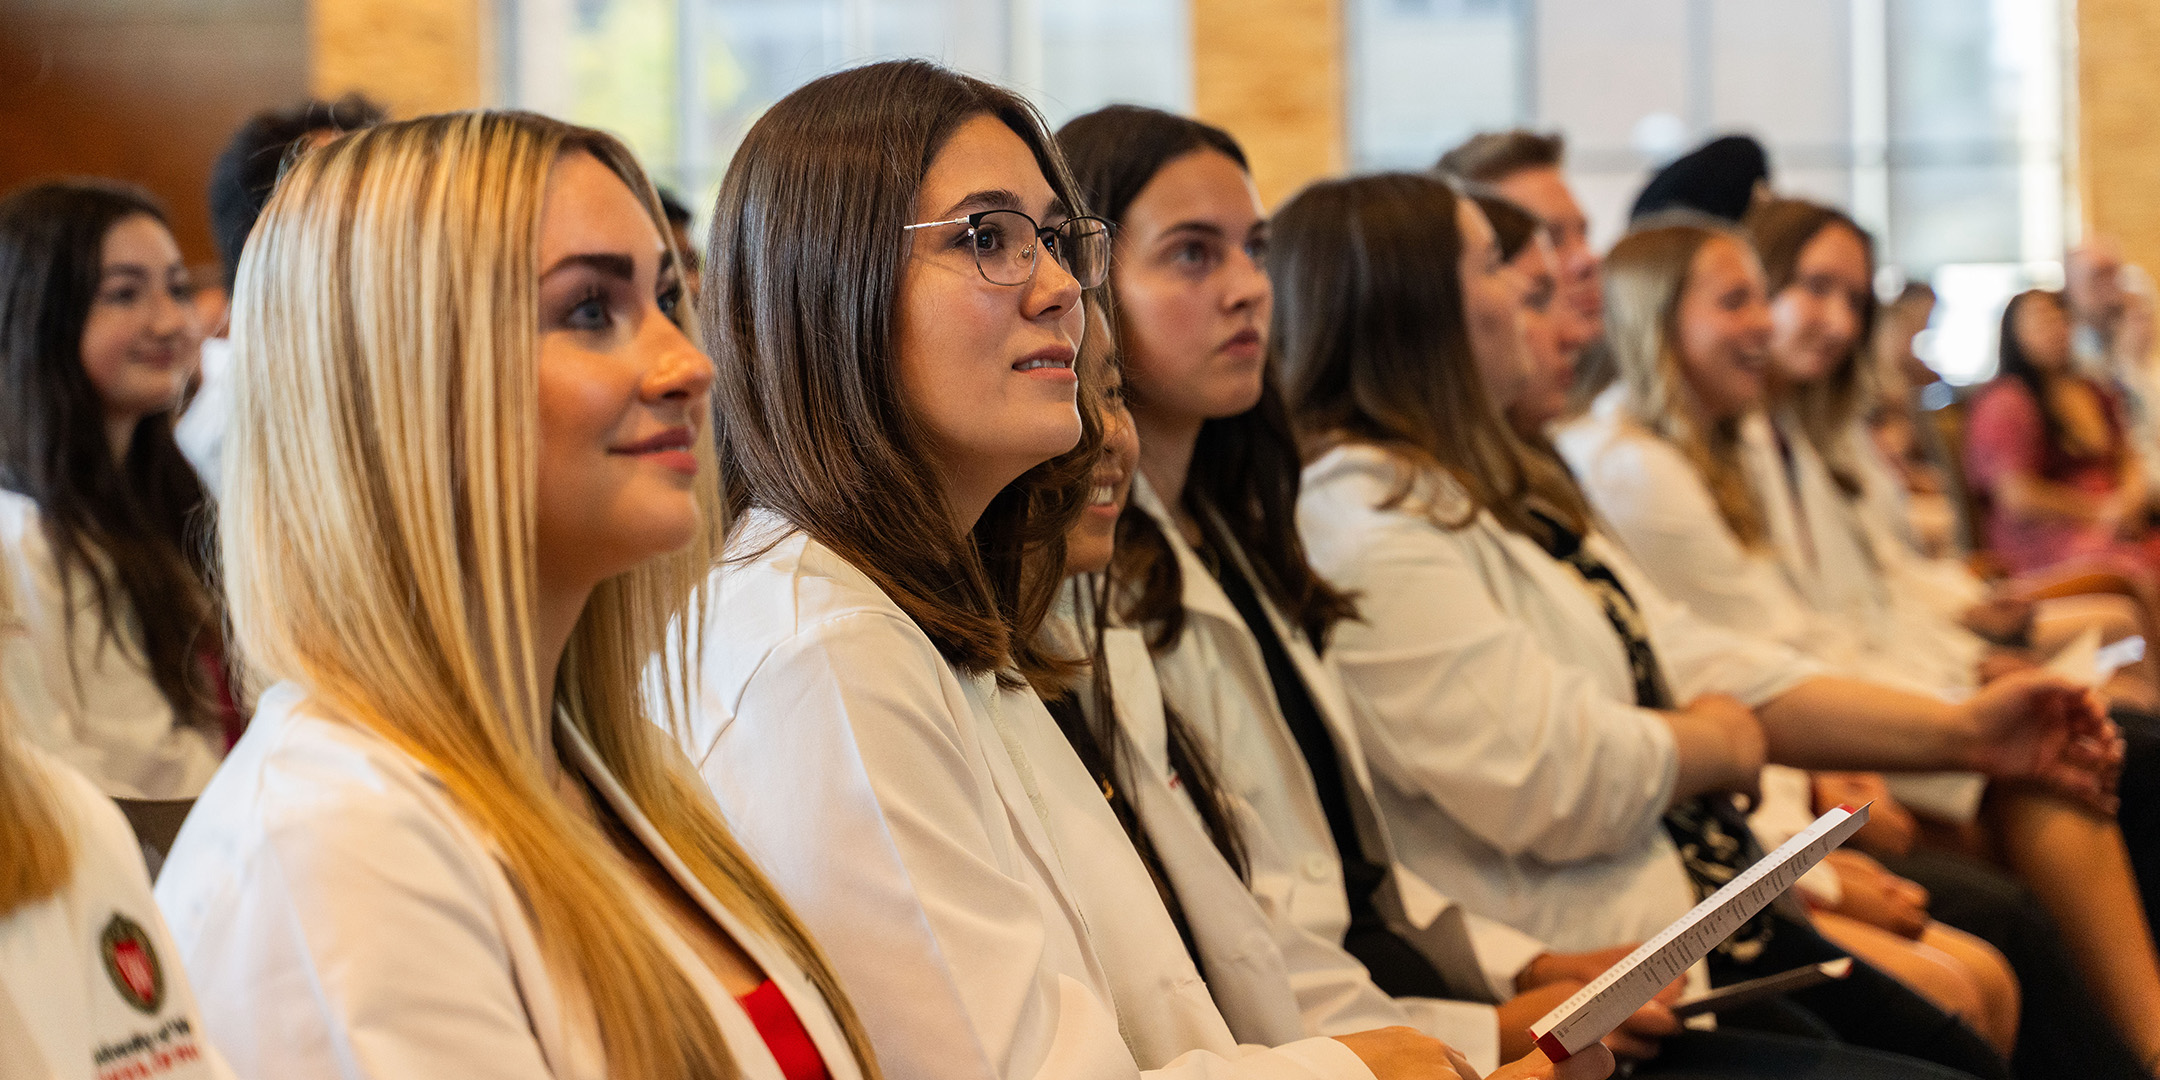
pixel 132 964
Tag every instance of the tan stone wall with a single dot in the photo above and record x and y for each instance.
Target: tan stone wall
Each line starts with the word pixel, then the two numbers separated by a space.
pixel 414 56
pixel 1271 73
pixel 2118 89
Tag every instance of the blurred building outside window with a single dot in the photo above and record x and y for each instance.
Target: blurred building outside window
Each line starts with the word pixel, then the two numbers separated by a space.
pixel 681 81
pixel 1938 123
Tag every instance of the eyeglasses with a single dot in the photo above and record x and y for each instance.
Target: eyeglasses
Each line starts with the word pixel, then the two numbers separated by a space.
pixel 1004 243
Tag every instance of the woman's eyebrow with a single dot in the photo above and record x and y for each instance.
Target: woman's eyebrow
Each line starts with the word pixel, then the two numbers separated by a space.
pixel 986 199
pixel 1205 228
pixel 611 264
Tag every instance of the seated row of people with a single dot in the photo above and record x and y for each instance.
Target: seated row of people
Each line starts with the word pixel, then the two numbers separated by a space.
pixel 1162 656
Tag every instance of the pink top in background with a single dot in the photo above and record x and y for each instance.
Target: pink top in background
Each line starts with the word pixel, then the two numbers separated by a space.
pixel 2004 436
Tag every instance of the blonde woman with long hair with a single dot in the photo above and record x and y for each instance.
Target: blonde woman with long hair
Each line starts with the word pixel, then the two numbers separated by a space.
pixel 1691 328
pixel 467 491
pixel 90 984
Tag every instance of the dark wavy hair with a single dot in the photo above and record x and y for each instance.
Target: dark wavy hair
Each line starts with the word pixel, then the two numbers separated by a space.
pixel 247 170
pixel 1245 468
pixel 138 530
pixel 805 261
pixel 2013 363
pixel 1098 738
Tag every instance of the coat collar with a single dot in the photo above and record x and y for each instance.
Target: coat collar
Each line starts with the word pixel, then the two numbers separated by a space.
pixel 811 1008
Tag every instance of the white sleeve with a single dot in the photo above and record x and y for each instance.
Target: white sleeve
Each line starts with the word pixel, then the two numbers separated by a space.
pixel 1658 508
pixel 847 774
pixel 1700 657
pixel 1469 710
pixel 358 941
pixel 109 874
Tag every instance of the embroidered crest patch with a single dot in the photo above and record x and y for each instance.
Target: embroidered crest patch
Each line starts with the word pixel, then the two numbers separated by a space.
pixel 132 964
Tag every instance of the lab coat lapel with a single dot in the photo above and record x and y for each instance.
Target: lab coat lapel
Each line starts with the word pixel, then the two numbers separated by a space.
pixel 1006 755
pixel 1244 968
pixel 808 1002
pixel 1764 464
pixel 1588 629
pixel 1204 600
pixel 1421 913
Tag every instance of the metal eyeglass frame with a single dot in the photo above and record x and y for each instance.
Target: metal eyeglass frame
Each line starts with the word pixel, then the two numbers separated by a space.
pixel 974 221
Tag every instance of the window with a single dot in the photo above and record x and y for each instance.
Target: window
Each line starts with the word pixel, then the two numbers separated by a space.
pixel 682 80
pixel 1938 123
pixel 1426 74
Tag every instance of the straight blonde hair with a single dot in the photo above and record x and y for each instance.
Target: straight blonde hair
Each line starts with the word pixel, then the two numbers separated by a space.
pixel 36 857
pixel 378 536
pixel 1645 277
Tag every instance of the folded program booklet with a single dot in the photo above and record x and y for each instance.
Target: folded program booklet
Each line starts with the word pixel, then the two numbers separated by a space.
pixel 1598 1008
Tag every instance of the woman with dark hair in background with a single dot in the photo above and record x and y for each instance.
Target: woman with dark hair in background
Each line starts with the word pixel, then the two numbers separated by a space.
pixel 894 304
pixel 1819 267
pixel 2047 446
pixel 1559 741
pixel 103 525
pixel 1273 979
pixel 1211 570
pixel 1684 467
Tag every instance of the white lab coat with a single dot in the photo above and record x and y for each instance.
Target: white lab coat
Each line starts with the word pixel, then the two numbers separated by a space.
pixel 1658 505
pixel 1824 541
pixel 344 918
pixel 90 982
pixel 1885 508
pixel 1273 979
pixel 1217 679
pixel 943 842
pixel 200 430
pixel 1517 770
pixel 109 720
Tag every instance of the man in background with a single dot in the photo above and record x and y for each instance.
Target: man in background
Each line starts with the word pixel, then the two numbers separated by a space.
pixel 1524 167
pixel 2111 336
pixel 241 181
pixel 693 253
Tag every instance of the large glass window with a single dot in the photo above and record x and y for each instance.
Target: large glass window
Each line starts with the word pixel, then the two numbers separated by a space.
pixel 1938 123
pixel 1426 74
pixel 683 80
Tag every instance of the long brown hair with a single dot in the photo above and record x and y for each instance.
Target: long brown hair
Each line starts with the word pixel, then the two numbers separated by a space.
pixel 1827 407
pixel 1646 275
pixel 803 273
pixel 1375 346
pixel 379 541
pixel 1242 486
pixel 1096 735
pixel 136 530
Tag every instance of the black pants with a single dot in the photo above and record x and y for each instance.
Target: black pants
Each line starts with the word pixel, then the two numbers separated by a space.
pixel 1884 1031
pixel 2140 812
pixel 2061 1030
pixel 1867 1008
pixel 1729 1054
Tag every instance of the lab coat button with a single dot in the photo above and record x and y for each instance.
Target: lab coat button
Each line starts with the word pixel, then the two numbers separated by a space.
pixel 1317 867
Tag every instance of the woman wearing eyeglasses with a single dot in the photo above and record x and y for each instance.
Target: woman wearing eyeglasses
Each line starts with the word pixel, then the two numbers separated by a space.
pixel 895 310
